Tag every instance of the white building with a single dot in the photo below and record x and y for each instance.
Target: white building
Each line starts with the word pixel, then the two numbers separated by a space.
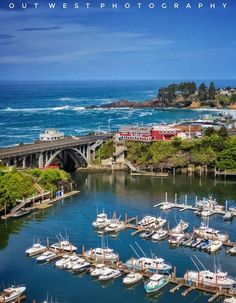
pixel 51 134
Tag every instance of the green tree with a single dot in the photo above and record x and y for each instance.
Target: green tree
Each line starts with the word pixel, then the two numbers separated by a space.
pixel 212 91
pixel 233 98
pixel 202 92
pixel 209 131
pixel 223 132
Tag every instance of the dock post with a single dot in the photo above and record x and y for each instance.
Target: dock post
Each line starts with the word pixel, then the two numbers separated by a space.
pixel 174 273
pixel 47 242
pixel 186 199
pixel 175 198
pixel 166 197
pixel 82 250
pixel 137 220
pixel 126 218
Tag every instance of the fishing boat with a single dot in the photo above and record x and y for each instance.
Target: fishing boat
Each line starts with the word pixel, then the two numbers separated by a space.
pixel 214 246
pixel 20 213
pixel 156 282
pixel 97 270
pixel 147 221
pixel 147 234
pixel 115 226
pixel 160 235
pixel 150 264
pixel 64 245
pixel 102 254
pixel 35 249
pixel 46 256
pixel 102 221
pixel 132 278
pixel 80 265
pixel 175 239
pixel 212 279
pixel 12 293
pixel 109 274
pixel 181 227
pixel 228 216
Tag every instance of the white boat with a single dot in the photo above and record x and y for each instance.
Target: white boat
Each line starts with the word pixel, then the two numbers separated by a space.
pixel 206 213
pixel 109 274
pixel 212 279
pixel 132 278
pixel 166 206
pixel 46 256
pixel 160 235
pixel 147 234
pixel 102 254
pixel 147 221
pixel 156 282
pixel 102 221
pixel 209 233
pixel 68 265
pixel 181 227
pixel 233 210
pixel 230 300
pixel 36 249
pixel 175 239
pixel 206 203
pixel 97 270
pixel 214 246
pixel 160 222
pixel 63 261
pixel 115 226
pixel 64 245
pixel 80 265
pixel 232 250
pixel 228 216
pixel 150 264
pixel 12 293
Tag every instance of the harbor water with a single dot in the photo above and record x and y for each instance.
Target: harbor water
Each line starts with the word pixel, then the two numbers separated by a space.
pixel 120 192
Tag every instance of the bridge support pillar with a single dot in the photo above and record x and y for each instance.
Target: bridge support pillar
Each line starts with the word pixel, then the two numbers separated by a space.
pixel 24 162
pixel 88 153
pixel 40 163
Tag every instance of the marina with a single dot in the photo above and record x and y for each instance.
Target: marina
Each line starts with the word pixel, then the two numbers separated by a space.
pixel 76 267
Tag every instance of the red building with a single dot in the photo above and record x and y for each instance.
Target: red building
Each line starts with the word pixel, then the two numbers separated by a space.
pixel 164 132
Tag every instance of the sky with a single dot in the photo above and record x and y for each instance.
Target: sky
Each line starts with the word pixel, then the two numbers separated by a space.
pixel 118 44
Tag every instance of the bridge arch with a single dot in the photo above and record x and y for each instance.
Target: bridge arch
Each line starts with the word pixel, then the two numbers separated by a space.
pixel 78 152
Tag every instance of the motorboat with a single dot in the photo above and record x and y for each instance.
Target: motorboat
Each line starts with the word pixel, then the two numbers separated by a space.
pixel 12 293
pixel 181 227
pixel 187 242
pixel 115 226
pixel 102 254
pixel 166 206
pixel 233 210
pixel 80 265
pixel 109 274
pixel 160 222
pixel 232 250
pixel 156 282
pixel 63 261
pixel 147 234
pixel 97 270
pixel 35 249
pixel 46 256
pixel 147 221
pixel 72 261
pixel 132 278
pixel 64 245
pixel 228 216
pixel 206 213
pixel 214 246
pixel 102 221
pixel 206 244
pixel 175 239
pixel 230 300
pixel 160 235
pixel 196 242
pixel 212 279
pixel 150 264
pixel 209 233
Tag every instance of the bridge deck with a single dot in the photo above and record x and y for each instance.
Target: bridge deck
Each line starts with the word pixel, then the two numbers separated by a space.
pixel 27 149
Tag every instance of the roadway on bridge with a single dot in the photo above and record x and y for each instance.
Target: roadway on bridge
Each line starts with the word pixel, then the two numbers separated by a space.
pixel 26 149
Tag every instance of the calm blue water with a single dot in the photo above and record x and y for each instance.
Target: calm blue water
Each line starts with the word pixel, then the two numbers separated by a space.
pixel 124 194
pixel 27 108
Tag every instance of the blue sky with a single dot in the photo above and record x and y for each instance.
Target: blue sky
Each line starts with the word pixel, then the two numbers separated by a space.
pixel 77 44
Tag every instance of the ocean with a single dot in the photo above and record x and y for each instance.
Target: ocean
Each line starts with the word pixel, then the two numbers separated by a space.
pixel 27 108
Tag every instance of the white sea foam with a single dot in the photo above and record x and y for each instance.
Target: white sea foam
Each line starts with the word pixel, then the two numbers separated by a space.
pixel 45 109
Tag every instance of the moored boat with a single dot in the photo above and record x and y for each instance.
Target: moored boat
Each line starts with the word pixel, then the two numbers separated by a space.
pixel 181 227
pixel 132 278
pixel 109 274
pixel 228 216
pixel 115 227
pixel 156 282
pixel 102 254
pixel 212 279
pixel 232 250
pixel 147 221
pixel 46 256
pixel 64 245
pixel 160 235
pixel 12 293
pixel 101 221
pixel 20 213
pixel 147 234
pixel 97 270
pixel 149 264
pixel 214 246
pixel 175 239
pixel 230 300
pixel 80 265
pixel 35 249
